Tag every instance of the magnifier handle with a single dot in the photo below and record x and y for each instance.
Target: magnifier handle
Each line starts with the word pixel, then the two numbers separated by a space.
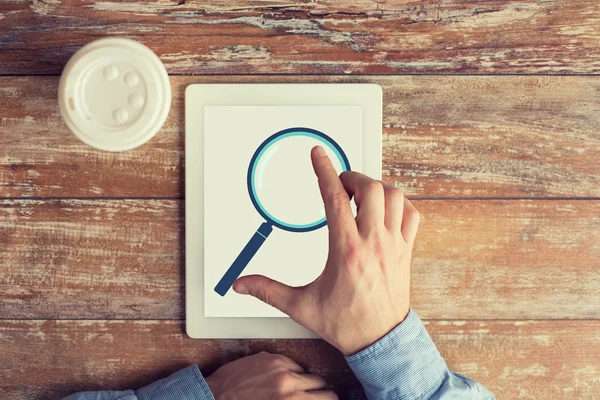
pixel 244 258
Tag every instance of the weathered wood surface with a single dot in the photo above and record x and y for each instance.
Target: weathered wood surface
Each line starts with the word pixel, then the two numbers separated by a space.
pixel 92 259
pixel 514 359
pixel 309 37
pixel 443 137
pixel 474 259
pixel 467 137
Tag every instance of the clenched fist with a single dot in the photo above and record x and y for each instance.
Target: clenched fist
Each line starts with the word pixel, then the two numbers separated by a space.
pixel 266 376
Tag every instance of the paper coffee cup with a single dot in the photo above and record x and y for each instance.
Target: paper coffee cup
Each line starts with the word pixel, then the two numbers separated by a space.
pixel 114 94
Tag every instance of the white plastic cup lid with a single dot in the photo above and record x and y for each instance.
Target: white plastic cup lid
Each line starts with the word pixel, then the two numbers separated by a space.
pixel 114 94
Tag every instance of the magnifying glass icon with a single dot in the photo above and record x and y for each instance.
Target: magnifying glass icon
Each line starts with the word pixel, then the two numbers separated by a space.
pixel 282 188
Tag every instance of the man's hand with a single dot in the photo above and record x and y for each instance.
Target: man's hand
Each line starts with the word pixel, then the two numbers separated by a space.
pixel 363 292
pixel 266 376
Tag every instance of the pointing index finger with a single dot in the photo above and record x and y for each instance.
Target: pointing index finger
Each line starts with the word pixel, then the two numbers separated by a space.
pixel 336 199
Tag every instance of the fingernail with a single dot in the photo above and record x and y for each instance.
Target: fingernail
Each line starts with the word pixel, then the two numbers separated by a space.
pixel 241 289
pixel 320 151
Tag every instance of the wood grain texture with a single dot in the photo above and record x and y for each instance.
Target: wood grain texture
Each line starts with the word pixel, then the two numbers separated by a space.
pixel 103 272
pixel 78 259
pixel 514 359
pixel 527 137
pixel 102 259
pixel 309 37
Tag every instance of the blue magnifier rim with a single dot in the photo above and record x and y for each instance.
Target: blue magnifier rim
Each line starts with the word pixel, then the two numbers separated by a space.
pixel 299 131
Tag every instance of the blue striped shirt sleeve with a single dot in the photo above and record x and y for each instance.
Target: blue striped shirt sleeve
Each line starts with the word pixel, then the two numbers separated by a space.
pixel 186 384
pixel 405 364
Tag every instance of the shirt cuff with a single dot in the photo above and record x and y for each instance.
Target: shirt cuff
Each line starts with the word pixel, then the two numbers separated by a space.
pixel 185 384
pixel 404 364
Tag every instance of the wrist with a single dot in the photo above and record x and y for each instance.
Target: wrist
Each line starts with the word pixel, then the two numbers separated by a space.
pixel 213 385
pixel 364 339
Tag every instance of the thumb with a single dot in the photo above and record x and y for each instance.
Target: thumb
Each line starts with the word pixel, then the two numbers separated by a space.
pixel 274 293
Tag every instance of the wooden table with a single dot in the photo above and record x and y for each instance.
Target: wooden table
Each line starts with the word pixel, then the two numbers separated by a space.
pixel 491 124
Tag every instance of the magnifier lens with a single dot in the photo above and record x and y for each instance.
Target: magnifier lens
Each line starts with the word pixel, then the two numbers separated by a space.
pixel 284 183
pixel 284 190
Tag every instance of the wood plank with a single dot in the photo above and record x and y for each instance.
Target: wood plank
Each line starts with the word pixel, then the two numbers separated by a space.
pixel 514 359
pixel 89 259
pixel 115 259
pixel 308 37
pixel 443 137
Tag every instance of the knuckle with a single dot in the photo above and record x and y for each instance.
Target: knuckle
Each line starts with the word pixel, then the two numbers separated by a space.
pixel 263 295
pixel 351 251
pixel 268 356
pixel 377 236
pixel 279 360
pixel 272 363
pixel 395 195
pixel 283 379
pixel 378 249
pixel 413 215
pixel 319 381
pixel 377 245
pixel 339 199
pixel 416 215
pixel 268 359
pixel 374 187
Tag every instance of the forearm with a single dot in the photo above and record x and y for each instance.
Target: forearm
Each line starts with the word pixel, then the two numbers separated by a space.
pixel 405 364
pixel 186 384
